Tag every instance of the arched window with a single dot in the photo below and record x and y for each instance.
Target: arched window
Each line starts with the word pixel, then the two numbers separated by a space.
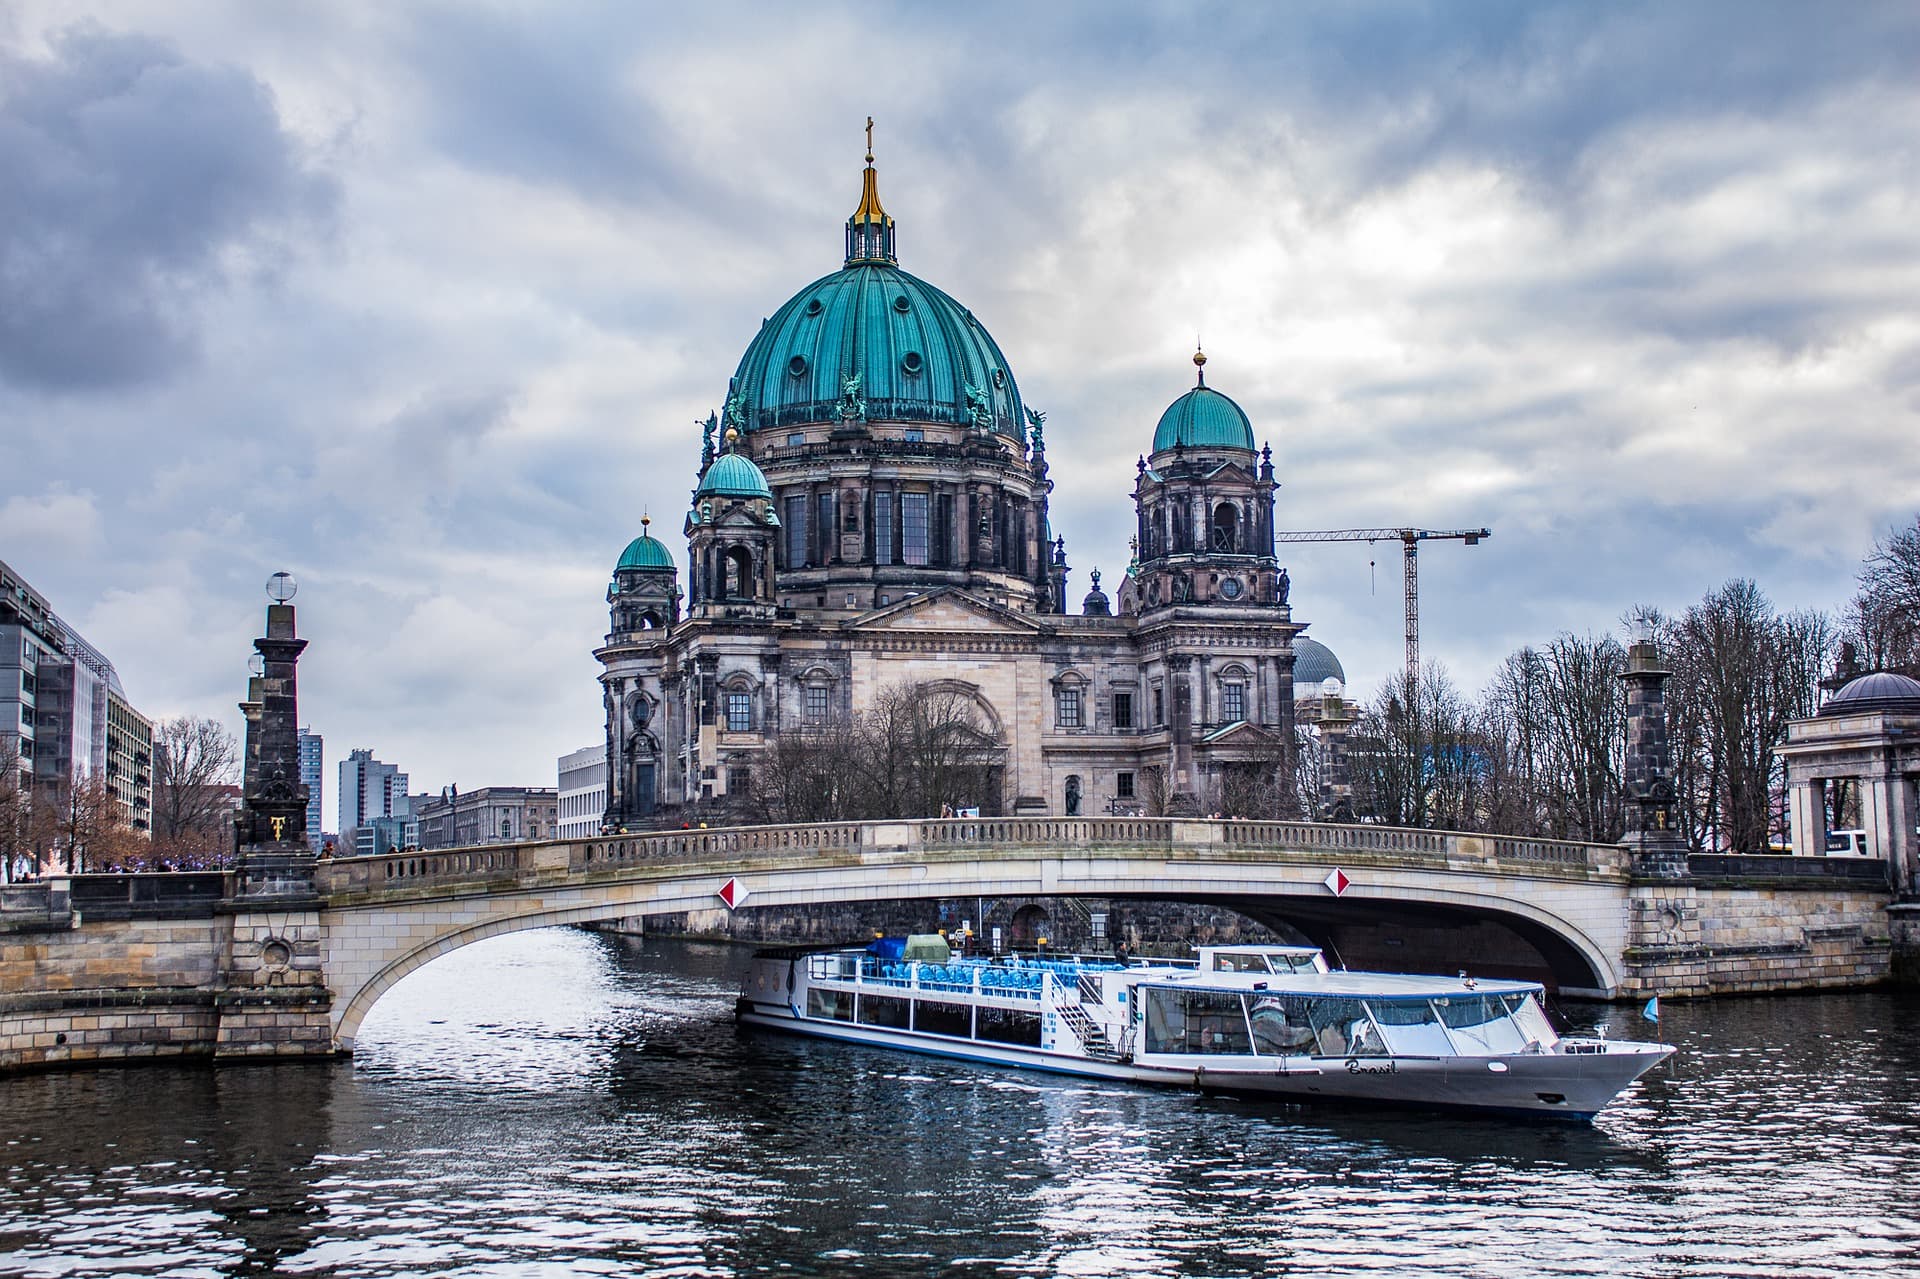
pixel 1233 694
pixel 1226 528
pixel 739 573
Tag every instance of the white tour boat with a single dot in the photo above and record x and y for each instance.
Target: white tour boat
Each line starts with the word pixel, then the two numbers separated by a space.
pixel 1268 1020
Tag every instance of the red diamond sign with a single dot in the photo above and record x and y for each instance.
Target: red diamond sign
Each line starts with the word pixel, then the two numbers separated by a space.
pixel 733 892
pixel 1336 881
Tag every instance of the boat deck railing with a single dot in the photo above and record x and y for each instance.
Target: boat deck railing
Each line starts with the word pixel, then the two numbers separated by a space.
pixel 1021 979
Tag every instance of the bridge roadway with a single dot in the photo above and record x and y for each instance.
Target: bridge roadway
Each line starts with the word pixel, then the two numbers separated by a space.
pixel 385 916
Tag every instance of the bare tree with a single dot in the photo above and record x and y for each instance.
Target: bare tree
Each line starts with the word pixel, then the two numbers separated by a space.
pixel 1415 756
pixel 196 762
pixel 1261 783
pixel 931 750
pixel 919 749
pixel 820 774
pixel 1553 726
pixel 16 808
pixel 1740 672
pixel 80 820
pixel 1151 787
pixel 1884 620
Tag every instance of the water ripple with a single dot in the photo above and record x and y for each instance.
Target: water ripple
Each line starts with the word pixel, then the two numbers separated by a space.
pixel 561 1103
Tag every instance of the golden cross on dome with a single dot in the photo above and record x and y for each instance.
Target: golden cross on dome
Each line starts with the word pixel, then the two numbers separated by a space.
pixel 869 139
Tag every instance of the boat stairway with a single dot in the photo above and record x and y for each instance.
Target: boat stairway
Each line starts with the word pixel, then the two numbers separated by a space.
pixel 1093 1039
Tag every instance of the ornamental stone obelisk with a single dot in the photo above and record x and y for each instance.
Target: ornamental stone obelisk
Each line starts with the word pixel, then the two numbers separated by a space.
pixel 1652 829
pixel 274 1000
pixel 271 826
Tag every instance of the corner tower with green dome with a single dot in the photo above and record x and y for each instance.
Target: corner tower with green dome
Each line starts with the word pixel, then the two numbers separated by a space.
pixel 1203 500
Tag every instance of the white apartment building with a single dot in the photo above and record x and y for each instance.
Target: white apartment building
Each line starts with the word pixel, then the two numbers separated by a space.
pixel 583 791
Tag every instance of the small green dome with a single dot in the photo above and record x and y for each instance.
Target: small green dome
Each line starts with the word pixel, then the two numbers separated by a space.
pixel 733 475
pixel 1203 418
pixel 645 551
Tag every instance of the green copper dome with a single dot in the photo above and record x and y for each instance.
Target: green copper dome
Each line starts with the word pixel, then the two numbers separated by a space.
pixel 920 356
pixel 1203 418
pixel 645 551
pixel 733 475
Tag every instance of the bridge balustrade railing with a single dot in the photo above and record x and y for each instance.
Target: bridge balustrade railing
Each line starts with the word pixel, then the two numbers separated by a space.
pixel 410 869
pixel 1133 832
pixel 695 845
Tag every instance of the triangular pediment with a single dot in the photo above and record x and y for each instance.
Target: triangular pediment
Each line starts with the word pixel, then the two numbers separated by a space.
pixel 1240 733
pixel 1231 471
pixel 947 609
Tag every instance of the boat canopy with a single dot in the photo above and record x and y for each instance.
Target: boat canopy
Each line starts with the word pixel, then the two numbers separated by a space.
pixel 927 948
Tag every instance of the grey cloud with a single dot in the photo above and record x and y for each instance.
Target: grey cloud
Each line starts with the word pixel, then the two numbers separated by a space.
pixel 131 175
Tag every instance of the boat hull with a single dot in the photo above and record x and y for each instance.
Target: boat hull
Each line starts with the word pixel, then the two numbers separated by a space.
pixel 1536 1085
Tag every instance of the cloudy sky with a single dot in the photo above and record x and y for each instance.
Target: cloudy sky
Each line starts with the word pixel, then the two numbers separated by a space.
pixel 421 302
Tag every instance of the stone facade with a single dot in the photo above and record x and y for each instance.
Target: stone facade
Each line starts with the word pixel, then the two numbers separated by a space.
pixel 868 525
pixel 1692 940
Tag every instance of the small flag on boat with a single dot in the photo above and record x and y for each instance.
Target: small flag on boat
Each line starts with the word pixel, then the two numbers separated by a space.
pixel 1652 1011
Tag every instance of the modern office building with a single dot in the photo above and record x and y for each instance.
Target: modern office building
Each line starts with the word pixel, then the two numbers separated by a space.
pixel 370 789
pixel 583 791
pixel 311 774
pixel 63 707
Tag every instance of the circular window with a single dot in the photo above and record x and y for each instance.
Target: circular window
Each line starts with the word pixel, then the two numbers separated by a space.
pixel 901 304
pixel 814 307
pixel 999 377
pixel 1230 588
pixel 797 366
pixel 910 361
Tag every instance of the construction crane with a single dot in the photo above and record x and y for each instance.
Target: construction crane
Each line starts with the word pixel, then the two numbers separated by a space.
pixel 1409 539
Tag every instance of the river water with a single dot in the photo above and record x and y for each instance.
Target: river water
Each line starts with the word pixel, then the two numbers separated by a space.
pixel 557 1103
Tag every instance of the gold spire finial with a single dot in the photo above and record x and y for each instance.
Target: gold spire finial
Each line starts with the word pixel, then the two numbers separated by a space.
pixel 869 212
pixel 645 520
pixel 1200 363
pixel 733 436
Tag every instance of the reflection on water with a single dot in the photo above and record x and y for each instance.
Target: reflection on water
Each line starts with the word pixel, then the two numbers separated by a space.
pixel 562 1103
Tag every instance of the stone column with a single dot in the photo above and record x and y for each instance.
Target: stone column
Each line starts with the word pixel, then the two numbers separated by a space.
pixel 1653 834
pixel 1806 818
pixel 1899 808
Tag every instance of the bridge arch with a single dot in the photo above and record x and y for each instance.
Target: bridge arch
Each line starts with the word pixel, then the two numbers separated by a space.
pixel 419 911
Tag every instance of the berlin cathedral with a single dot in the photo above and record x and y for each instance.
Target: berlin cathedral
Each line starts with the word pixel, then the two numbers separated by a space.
pixel 871 511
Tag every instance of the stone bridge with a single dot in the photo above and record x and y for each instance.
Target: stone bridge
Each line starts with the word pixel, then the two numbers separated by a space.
pixel 88 975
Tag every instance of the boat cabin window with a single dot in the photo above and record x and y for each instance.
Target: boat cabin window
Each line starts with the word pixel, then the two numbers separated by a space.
pixel 1275 961
pixel 884 1010
pixel 1480 1024
pixel 1342 1028
pixel 1281 1026
pixel 1196 1021
pixel 1532 1020
pixel 1411 1027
